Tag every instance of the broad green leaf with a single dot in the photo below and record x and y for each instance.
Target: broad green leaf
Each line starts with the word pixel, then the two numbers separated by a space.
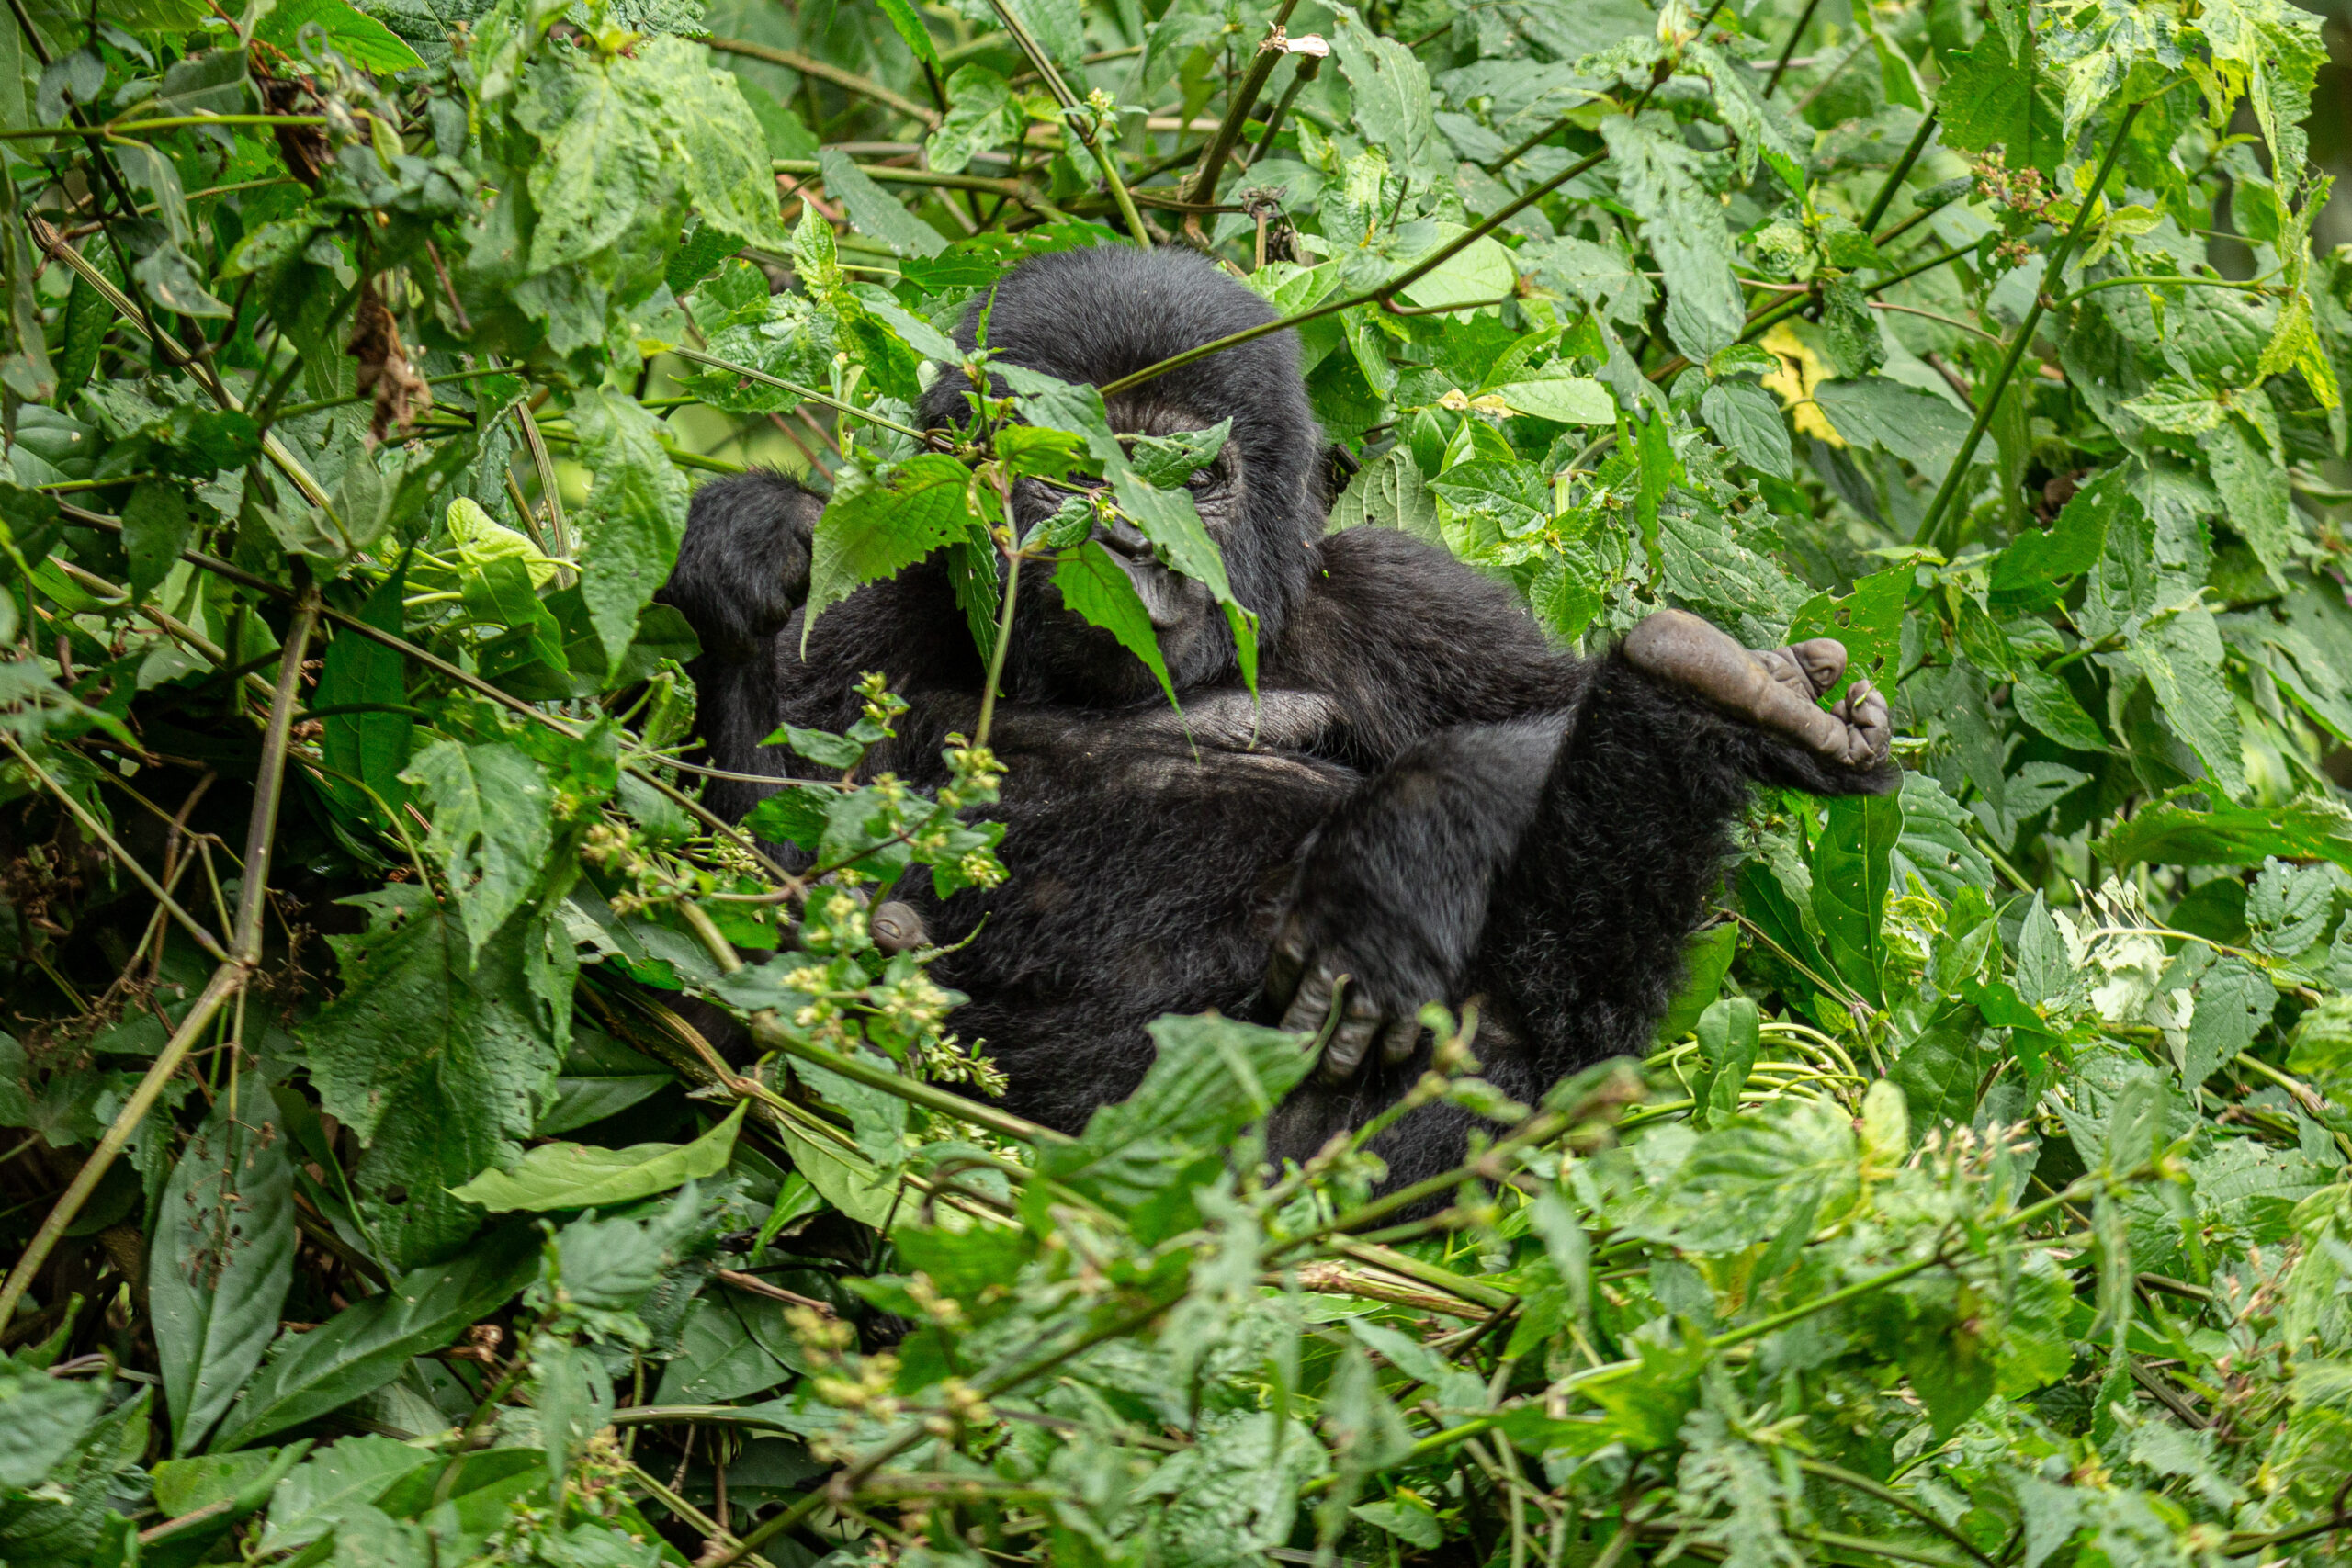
pixel 366 1346
pixel 492 810
pixel 1566 400
pixel 2233 1001
pixel 874 210
pixel 1746 1177
pixel 1849 884
pixel 2290 907
pixel 2171 833
pixel 1212 1077
pixel 1393 105
pixel 1706 959
pixel 1098 588
pixel 600 160
pixel 371 747
pixel 980 116
pixel 437 1055
pixel 1990 99
pixel 2254 495
pixel 222 1260
pixel 1922 430
pixel 2181 656
pixel 1728 1046
pixel 1749 421
pixel 635 515
pixel 879 525
pixel 577 1176
pixel 1661 180
pixel 1389 492
pixel 352 33
pixel 355 1471
pixel 45 1419
pixel 155 528
pixel 734 1345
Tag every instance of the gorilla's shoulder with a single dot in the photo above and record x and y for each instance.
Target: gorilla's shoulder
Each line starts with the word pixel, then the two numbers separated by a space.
pixel 1374 572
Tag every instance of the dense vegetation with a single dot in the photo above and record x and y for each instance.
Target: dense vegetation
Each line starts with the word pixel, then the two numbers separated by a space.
pixel 1984 1202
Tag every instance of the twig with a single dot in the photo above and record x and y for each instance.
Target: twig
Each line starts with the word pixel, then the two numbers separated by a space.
pixel 90 825
pixel 1931 527
pixel 808 65
pixel 1780 66
pixel 1203 186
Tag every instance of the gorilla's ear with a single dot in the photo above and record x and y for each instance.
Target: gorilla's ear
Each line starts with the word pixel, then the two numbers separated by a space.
pixel 1340 465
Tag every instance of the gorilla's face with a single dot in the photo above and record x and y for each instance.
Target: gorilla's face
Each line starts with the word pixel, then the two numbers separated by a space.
pixel 1058 653
pixel 1092 317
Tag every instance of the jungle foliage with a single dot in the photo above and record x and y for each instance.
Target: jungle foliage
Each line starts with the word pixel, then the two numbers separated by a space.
pixel 1984 1202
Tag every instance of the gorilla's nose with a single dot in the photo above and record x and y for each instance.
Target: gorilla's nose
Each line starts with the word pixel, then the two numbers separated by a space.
pixel 1125 538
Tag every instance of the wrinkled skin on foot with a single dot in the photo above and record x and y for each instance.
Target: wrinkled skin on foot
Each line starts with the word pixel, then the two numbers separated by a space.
pixel 1776 689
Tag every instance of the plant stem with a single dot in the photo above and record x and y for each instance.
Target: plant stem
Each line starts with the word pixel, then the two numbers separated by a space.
pixel 270 786
pixel 90 825
pixel 809 394
pixel 1201 188
pixel 1789 50
pixel 1075 115
pixel 848 81
pixel 226 981
pixel 1942 508
pixel 996 654
pixel 1903 166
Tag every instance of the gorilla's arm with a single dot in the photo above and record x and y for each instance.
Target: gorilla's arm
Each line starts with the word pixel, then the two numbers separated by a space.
pixel 742 570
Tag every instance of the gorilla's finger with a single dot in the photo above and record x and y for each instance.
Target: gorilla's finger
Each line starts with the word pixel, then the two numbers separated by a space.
pixel 1399 1038
pixel 896 927
pixel 1286 962
pixel 1346 1052
pixel 1307 1009
pixel 1823 658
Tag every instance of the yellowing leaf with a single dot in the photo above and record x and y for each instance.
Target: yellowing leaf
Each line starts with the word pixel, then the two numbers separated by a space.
pixel 1801 370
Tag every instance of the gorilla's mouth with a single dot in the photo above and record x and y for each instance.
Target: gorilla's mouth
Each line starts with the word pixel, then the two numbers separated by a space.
pixel 1162 590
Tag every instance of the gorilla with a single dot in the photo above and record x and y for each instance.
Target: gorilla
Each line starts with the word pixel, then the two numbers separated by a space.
pixel 1426 801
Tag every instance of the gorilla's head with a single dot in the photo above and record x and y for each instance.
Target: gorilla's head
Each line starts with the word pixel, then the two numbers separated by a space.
pixel 1092 317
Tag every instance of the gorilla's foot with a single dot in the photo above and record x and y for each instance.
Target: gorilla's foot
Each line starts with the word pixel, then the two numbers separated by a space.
pixel 1777 689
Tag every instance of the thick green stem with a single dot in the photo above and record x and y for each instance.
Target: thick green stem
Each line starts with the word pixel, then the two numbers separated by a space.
pixel 1886 197
pixel 1202 187
pixel 807 66
pixel 1933 531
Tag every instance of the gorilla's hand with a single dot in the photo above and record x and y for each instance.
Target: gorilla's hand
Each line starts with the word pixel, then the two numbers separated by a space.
pixel 1390 897
pixel 1778 689
pixel 743 566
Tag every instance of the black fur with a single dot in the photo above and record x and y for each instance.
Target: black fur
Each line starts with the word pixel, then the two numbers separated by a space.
pixel 1429 794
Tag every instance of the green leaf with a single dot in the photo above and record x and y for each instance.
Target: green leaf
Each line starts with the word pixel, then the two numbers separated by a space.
pixel 2169 833
pixel 2234 999
pixel 878 526
pixel 874 210
pixel 1922 430
pixel 1728 1039
pixel 2290 907
pixel 492 810
pixel 335 1484
pixel 1393 105
pixel 155 528
pixel 980 116
pixel 1849 884
pixel 634 518
pixel 734 1345
pixel 1391 493
pixel 352 33
pixel 222 1260
pixel 1706 959
pixel 917 37
pixel 46 1418
pixel 370 747
pixel 577 1176
pixel 2043 702
pixel 601 161
pixel 1749 420
pixel 1990 99
pixel 1212 1077
pixel 1098 588
pixel 1662 180
pixel 369 1344
pixel 437 1055
pixel 2255 500
pixel 1748 1177
pixel 2181 656
pixel 1566 400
